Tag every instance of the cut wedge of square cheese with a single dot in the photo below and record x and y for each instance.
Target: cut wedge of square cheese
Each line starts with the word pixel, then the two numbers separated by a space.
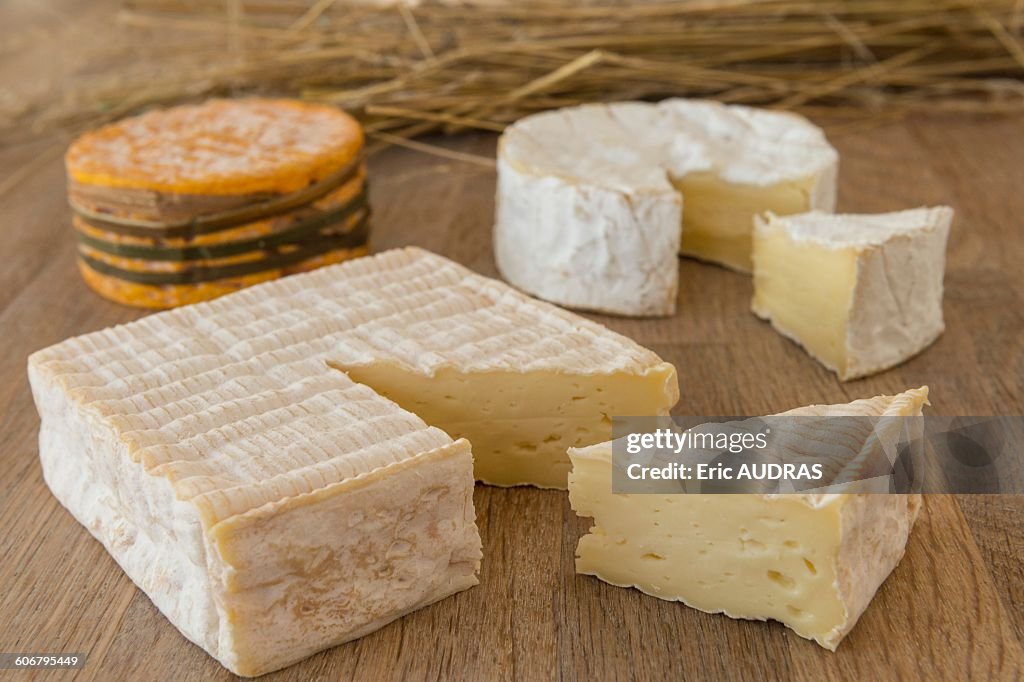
pixel 595 201
pixel 270 505
pixel 861 293
pixel 811 561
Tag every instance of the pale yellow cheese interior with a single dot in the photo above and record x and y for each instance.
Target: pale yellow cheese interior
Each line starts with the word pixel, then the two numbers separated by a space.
pixel 807 291
pixel 718 216
pixel 521 423
pixel 744 555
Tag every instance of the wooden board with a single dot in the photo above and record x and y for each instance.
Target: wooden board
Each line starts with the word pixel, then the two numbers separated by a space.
pixel 953 609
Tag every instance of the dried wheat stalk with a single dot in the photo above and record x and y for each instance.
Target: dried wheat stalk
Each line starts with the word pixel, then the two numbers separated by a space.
pixel 409 70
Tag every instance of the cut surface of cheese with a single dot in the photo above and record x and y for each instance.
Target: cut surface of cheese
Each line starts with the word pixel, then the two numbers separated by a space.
pixel 595 201
pixel 718 217
pixel 520 424
pixel 861 293
pixel 270 505
pixel 810 561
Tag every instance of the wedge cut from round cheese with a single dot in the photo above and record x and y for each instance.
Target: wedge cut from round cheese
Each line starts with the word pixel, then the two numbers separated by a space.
pixel 861 293
pixel 269 504
pixel 810 561
pixel 595 201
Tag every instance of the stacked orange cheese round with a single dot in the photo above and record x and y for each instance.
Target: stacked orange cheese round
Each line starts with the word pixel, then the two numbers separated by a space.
pixel 189 203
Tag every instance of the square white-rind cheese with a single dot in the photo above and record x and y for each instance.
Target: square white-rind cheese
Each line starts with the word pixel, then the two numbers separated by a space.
pixel 244 462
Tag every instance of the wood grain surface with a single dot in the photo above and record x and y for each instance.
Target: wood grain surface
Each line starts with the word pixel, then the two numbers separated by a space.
pixel 953 609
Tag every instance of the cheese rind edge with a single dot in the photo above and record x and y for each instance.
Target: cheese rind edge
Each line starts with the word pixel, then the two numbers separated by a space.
pixel 238 611
pixel 861 293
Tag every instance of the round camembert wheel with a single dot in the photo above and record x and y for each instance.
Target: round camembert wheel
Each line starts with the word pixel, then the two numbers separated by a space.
pixel 595 202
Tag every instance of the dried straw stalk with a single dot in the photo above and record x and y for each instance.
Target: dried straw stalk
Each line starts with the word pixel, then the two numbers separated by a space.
pixel 409 70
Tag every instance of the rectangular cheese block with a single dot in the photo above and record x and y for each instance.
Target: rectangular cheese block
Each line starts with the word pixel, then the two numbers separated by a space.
pixel 810 561
pixel 861 293
pixel 272 506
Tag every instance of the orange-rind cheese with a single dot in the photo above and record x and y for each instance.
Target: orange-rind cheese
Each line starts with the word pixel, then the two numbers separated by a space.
pixel 221 146
pixel 186 204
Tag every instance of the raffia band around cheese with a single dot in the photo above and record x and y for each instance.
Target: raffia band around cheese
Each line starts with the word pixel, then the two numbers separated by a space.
pixel 347 240
pixel 299 233
pixel 247 211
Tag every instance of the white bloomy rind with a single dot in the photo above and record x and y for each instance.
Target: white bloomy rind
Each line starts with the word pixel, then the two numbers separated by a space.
pixel 895 308
pixel 589 212
pixel 611 262
pixel 262 588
